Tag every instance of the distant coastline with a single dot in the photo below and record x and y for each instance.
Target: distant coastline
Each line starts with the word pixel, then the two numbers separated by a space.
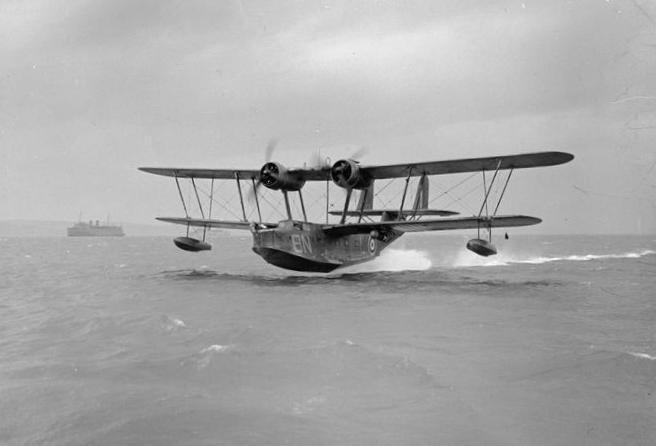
pixel 55 228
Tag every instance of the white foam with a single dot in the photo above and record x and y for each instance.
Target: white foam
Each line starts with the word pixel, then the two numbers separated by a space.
pixel 393 260
pixel 172 324
pixel 216 348
pixel 466 259
pixel 586 257
pixel 178 322
pixel 205 356
pixel 643 356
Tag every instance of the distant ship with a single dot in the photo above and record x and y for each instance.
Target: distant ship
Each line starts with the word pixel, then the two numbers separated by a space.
pixel 91 229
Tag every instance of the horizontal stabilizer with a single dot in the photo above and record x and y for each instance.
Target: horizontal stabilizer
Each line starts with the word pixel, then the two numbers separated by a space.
pixel 445 224
pixel 208 223
pixel 395 212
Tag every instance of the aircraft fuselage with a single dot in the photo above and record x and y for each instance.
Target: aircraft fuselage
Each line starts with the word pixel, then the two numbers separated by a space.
pixel 302 246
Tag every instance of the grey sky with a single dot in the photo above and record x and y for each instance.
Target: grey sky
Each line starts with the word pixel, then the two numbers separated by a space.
pixel 89 90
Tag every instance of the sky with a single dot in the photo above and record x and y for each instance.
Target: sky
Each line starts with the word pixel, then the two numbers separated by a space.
pixel 90 90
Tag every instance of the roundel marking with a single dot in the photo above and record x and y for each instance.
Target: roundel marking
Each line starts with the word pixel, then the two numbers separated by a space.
pixel 372 244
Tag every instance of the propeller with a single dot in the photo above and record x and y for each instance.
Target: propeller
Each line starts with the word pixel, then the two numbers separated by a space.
pixel 268 152
pixel 267 169
pixel 344 167
pixel 269 174
pixel 359 153
pixel 316 162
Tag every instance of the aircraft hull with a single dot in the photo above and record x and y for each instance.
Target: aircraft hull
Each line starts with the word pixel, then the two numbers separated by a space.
pixel 293 262
pixel 301 246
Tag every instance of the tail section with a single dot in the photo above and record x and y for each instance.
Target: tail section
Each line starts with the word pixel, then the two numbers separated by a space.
pixel 421 197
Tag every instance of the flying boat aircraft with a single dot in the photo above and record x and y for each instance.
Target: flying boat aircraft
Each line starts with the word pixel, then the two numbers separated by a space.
pixel 363 231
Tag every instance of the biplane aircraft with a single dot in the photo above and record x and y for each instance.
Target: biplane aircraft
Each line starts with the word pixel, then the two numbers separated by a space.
pixel 362 231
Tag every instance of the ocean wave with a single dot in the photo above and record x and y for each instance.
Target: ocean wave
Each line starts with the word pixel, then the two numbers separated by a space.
pixel 390 261
pixel 171 323
pixel 205 356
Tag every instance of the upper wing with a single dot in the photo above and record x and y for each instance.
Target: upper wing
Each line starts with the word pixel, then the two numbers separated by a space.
pixel 538 159
pixel 208 223
pixel 220 174
pixel 501 221
pixel 321 174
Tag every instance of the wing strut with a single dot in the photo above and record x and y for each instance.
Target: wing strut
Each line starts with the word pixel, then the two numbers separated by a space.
pixel 241 197
pixel 300 195
pixel 349 191
pixel 209 216
pixel 200 206
pixel 488 190
pixel 257 201
pixel 405 191
pixel 289 210
pixel 502 192
pixel 363 201
pixel 184 206
pixel 487 194
pixel 484 205
pixel 211 198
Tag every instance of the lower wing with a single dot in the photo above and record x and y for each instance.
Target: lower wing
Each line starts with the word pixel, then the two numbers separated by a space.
pixel 209 223
pixel 445 224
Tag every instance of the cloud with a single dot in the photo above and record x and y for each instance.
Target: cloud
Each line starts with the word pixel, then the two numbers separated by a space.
pixel 114 84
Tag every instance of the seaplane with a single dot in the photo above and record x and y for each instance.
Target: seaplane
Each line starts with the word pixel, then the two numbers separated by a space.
pixel 360 232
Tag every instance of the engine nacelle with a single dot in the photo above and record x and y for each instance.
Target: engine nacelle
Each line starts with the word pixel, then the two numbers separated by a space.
pixel 275 176
pixel 347 174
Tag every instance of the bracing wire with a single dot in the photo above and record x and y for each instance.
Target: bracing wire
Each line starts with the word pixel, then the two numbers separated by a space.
pixel 456 200
pixel 223 205
pixel 446 192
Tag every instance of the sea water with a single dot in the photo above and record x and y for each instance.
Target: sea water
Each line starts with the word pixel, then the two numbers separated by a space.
pixel 131 341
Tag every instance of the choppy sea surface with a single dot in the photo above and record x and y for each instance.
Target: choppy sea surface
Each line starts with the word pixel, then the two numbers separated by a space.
pixel 130 341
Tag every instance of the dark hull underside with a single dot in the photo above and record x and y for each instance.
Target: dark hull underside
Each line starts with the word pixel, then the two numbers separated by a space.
pixel 293 262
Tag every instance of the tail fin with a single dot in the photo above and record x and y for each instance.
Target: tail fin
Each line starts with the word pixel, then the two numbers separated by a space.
pixel 421 198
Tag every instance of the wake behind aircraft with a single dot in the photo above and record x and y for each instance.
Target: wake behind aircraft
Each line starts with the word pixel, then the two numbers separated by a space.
pixel 363 231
